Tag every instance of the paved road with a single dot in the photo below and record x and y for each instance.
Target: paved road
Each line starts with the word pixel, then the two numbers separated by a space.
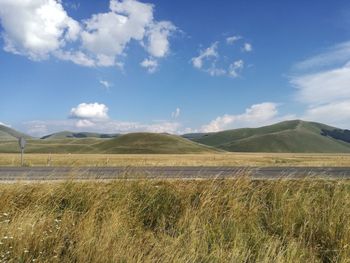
pixel 108 173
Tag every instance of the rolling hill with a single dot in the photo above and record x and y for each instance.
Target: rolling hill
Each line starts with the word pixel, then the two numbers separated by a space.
pixel 133 143
pixel 77 135
pixel 149 143
pixel 289 136
pixel 9 134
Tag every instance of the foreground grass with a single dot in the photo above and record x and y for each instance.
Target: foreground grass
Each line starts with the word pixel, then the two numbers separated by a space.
pixel 194 221
pixel 221 159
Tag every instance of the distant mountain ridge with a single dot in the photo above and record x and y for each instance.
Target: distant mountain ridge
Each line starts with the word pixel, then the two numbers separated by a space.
pixel 288 136
pixel 69 134
pixel 294 136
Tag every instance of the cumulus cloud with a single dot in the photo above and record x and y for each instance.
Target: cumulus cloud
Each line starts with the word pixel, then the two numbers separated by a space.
pixel 90 111
pixel 247 47
pixel 158 38
pixel 36 28
pixel 176 113
pixel 150 64
pixel 254 116
pixel 42 28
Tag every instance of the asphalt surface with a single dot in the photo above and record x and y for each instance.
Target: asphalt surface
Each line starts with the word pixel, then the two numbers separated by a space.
pixel 111 173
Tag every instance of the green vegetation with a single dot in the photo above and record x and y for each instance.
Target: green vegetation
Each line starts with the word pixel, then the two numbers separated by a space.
pixel 7 134
pixel 77 135
pixel 138 143
pixel 193 221
pixel 289 136
pixel 152 143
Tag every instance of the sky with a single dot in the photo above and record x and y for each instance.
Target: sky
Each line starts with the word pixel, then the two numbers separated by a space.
pixel 118 66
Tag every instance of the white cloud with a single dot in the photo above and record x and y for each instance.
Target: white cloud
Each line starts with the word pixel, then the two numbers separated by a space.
pixel 41 128
pixel 208 61
pixel 84 124
pixel 247 47
pixel 36 28
pixel 150 64
pixel 233 39
pixel 215 71
pixel 158 38
pixel 76 57
pixel 235 68
pixel 176 113
pixel 335 113
pixel 106 84
pixel 208 53
pixel 337 54
pixel 4 124
pixel 40 28
pixel 322 84
pixel 323 87
pixel 257 115
pixel 90 111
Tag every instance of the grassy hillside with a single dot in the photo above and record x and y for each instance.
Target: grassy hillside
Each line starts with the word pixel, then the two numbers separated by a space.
pixel 77 135
pixel 288 136
pixel 8 134
pixel 151 143
pixel 133 143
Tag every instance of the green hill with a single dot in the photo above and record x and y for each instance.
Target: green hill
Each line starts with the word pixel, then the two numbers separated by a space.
pixel 77 135
pixel 152 143
pixel 134 143
pixel 288 136
pixel 9 134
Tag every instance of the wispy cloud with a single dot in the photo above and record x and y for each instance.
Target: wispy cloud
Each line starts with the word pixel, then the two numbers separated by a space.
pixel 254 116
pixel 150 64
pixel 233 39
pixel 208 61
pixel 322 84
pixel 336 55
pixel 106 84
pixel 206 54
pixel 176 113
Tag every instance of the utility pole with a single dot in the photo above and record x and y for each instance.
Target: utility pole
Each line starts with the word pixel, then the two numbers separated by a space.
pixel 22 144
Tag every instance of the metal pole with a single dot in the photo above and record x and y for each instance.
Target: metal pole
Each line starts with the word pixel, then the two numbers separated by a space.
pixel 21 157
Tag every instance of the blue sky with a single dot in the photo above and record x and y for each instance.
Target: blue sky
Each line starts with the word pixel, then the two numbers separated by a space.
pixel 172 66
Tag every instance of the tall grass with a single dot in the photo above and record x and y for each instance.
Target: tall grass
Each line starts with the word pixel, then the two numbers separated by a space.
pixel 176 221
pixel 221 159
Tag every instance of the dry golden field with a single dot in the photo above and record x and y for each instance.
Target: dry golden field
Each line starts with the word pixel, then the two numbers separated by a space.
pixel 222 159
pixel 183 221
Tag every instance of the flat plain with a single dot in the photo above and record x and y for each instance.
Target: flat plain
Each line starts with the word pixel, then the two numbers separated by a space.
pixel 219 159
